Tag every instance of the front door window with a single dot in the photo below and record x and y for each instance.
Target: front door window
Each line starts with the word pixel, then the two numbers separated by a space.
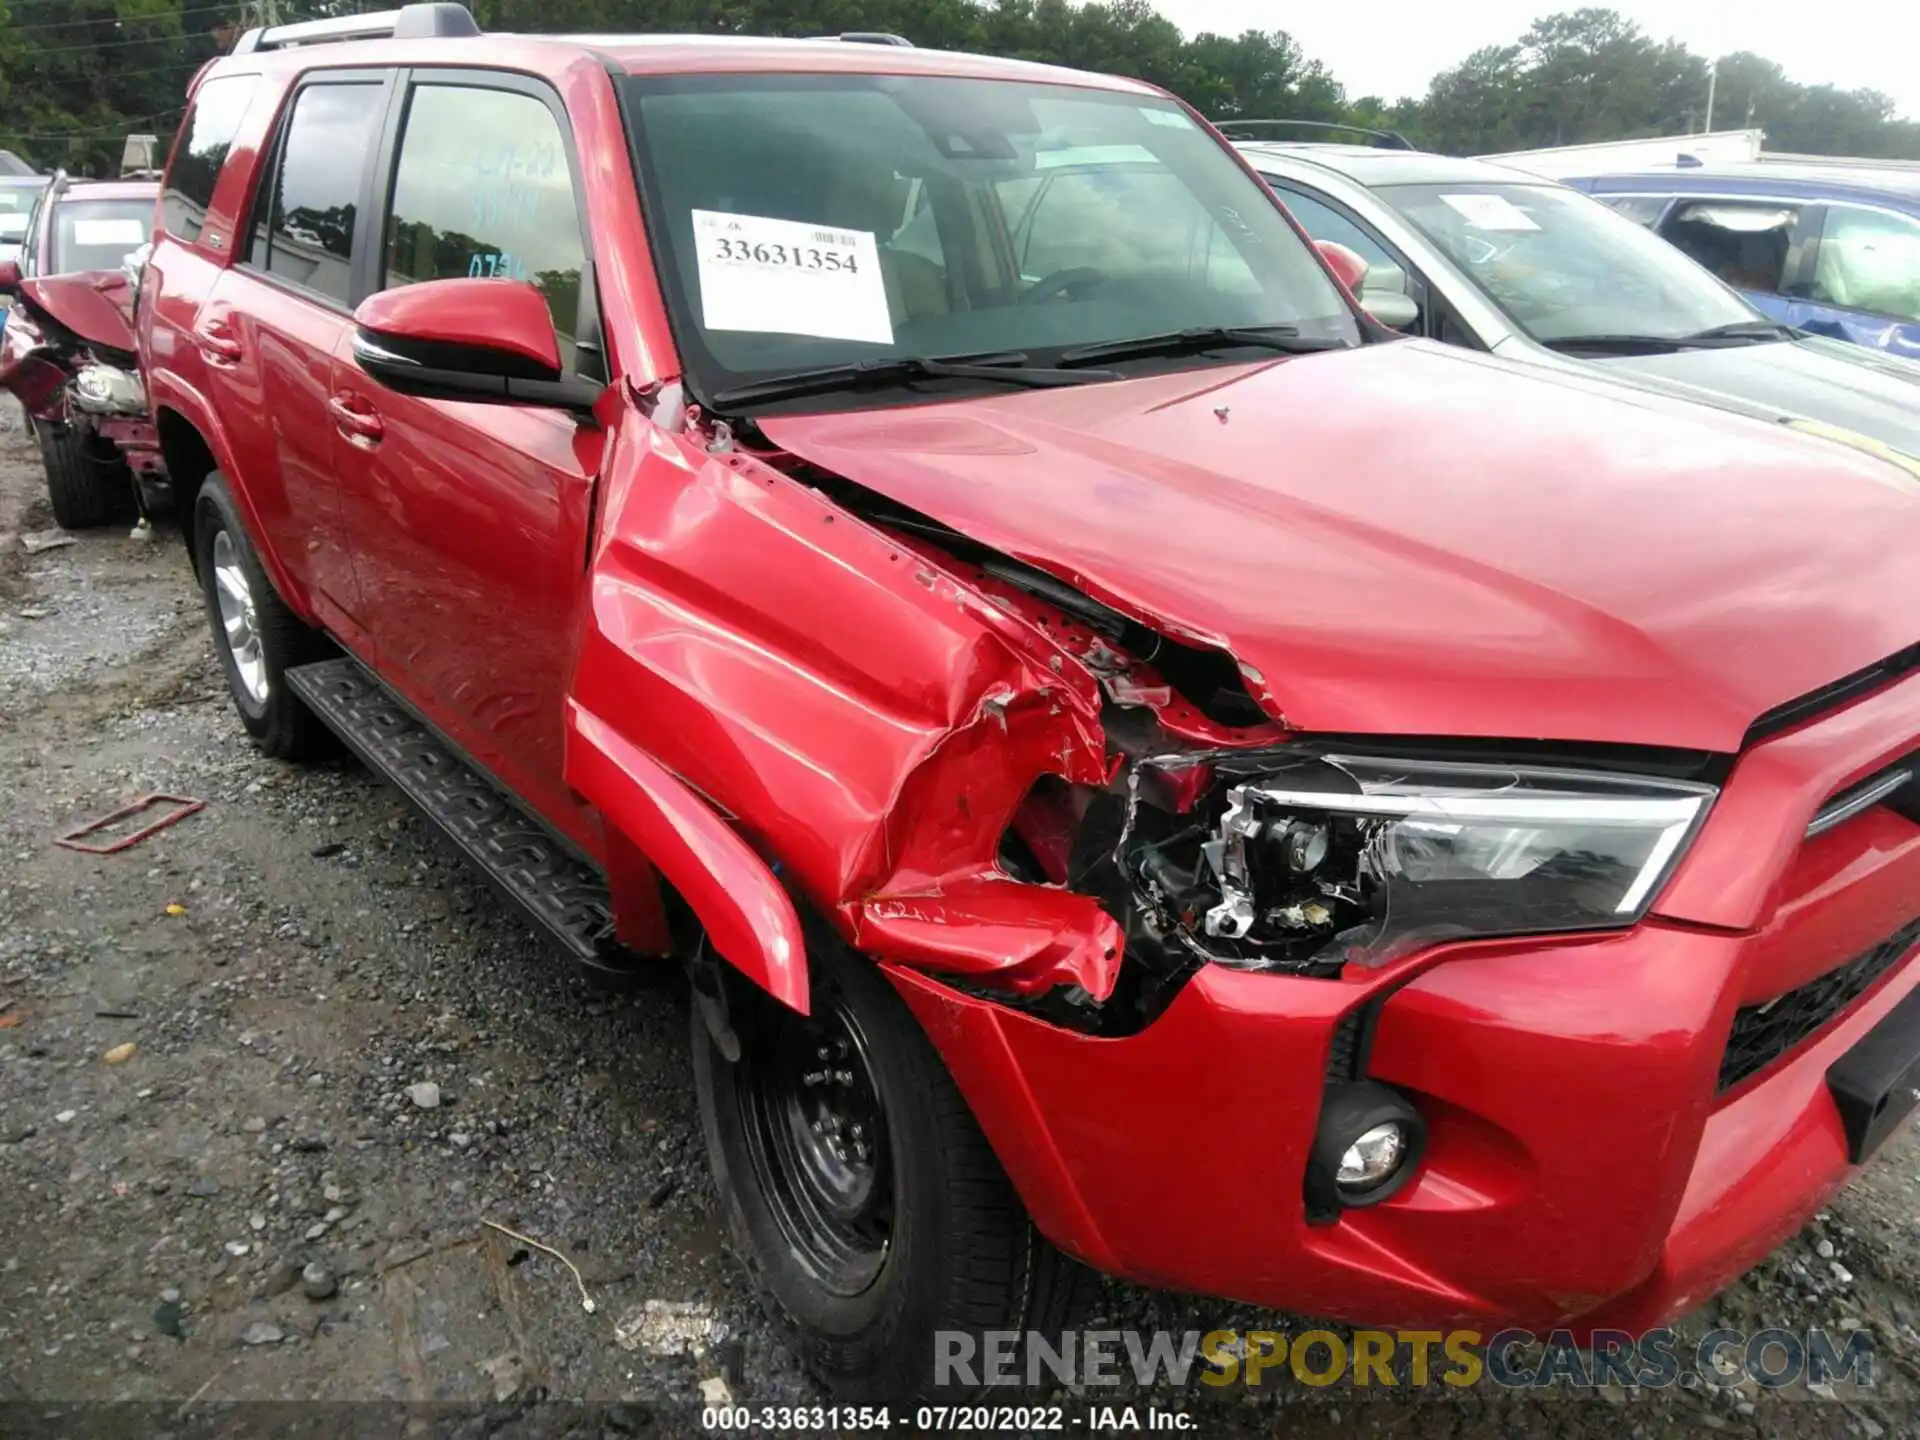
pixel 1745 243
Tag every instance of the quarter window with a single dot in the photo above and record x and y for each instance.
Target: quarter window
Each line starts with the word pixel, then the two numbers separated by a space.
pixel 305 234
pixel 483 189
pixel 206 134
pixel 1869 260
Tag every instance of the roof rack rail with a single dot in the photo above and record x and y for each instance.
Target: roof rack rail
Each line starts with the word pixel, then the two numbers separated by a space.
pixel 867 37
pixel 1257 130
pixel 409 22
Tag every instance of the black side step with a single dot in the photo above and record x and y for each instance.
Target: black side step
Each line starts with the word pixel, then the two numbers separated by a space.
pixel 562 893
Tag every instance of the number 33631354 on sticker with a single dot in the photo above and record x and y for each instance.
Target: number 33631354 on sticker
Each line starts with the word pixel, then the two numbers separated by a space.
pixel 788 278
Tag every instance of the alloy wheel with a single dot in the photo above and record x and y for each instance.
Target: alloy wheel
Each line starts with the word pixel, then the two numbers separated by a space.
pixel 238 618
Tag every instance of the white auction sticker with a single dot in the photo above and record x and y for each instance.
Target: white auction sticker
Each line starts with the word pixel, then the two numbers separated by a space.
pixel 1490 212
pixel 109 232
pixel 784 278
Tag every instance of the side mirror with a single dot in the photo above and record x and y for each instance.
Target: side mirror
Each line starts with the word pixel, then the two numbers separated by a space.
pixel 1394 309
pixel 1345 263
pixel 462 339
pixel 9 276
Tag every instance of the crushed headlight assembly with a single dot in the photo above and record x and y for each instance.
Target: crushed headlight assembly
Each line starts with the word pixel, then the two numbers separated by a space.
pixel 1308 860
pixel 108 390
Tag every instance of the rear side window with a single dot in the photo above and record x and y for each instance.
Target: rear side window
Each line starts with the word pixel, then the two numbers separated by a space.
pixel 304 226
pixel 206 134
pixel 482 189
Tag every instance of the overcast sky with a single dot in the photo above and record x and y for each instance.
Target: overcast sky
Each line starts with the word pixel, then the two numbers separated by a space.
pixel 1393 47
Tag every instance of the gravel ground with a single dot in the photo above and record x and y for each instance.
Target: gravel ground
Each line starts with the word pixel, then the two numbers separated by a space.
pixel 269 1080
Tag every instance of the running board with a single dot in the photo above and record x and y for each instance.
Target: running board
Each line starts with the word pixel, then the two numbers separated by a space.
pixel 559 891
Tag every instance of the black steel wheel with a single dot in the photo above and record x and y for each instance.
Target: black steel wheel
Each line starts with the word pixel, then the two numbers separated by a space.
pixel 857 1185
pixel 816 1135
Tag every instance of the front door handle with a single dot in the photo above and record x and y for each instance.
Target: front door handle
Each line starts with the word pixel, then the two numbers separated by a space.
pixel 355 419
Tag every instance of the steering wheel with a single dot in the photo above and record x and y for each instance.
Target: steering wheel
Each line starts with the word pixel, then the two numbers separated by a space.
pixel 1061 281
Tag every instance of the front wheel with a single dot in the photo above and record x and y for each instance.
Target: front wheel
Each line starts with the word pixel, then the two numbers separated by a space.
pixel 857 1185
pixel 85 487
pixel 256 636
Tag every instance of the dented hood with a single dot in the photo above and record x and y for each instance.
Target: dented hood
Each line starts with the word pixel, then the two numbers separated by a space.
pixel 96 305
pixel 1405 539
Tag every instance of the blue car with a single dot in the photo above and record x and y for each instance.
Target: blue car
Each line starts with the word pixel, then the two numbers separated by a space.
pixel 1830 249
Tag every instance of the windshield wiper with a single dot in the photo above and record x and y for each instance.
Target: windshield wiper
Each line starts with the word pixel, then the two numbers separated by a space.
pixel 1619 344
pixel 1743 331
pixel 1009 366
pixel 1720 337
pixel 1285 338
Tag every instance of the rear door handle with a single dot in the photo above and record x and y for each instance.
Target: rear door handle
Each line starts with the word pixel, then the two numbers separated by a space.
pixel 217 343
pixel 355 419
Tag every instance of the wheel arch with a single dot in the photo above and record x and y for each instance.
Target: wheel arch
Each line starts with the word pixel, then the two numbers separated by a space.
pixel 746 912
pixel 189 460
pixel 194 446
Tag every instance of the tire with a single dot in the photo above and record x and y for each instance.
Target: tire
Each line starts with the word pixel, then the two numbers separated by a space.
pixel 959 1251
pixel 272 638
pixel 85 490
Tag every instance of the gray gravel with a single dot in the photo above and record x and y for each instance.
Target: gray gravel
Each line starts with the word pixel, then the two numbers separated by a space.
pixel 350 1064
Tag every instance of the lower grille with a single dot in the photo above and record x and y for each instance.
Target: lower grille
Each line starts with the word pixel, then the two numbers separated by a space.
pixel 1763 1033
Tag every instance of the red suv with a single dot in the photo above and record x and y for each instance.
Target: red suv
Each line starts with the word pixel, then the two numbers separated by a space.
pixel 1139 764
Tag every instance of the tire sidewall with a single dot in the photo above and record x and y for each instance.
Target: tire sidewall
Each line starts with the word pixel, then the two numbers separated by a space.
pixel 213 512
pixel 80 496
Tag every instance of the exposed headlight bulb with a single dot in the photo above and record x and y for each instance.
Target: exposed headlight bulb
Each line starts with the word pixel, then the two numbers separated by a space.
pixel 1305 844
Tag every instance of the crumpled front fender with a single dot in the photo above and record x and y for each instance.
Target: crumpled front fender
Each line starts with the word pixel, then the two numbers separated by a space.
pixel 821 693
pixel 747 916
pixel 27 368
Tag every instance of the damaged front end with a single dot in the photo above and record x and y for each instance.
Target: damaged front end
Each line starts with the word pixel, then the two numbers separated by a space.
pixel 1047 795
pixel 1218 835
pixel 68 356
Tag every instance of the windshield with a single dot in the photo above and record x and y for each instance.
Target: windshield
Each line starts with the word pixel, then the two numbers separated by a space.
pixel 16 205
pixel 98 234
pixel 808 221
pixel 1563 266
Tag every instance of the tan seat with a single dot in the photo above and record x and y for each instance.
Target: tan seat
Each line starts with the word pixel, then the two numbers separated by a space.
pixel 916 287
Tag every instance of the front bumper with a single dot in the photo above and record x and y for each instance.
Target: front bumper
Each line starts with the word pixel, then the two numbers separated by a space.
pixel 1584 1167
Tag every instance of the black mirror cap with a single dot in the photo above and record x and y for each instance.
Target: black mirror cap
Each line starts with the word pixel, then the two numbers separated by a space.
pixel 444 371
pixel 400 353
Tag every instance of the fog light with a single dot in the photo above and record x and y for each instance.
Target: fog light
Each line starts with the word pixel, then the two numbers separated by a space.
pixel 1368 1146
pixel 1371 1159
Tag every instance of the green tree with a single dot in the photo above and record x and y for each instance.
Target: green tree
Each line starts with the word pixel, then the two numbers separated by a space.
pixel 76 76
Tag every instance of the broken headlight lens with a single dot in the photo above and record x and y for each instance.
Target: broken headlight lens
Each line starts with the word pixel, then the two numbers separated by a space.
pixel 108 389
pixel 1323 859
